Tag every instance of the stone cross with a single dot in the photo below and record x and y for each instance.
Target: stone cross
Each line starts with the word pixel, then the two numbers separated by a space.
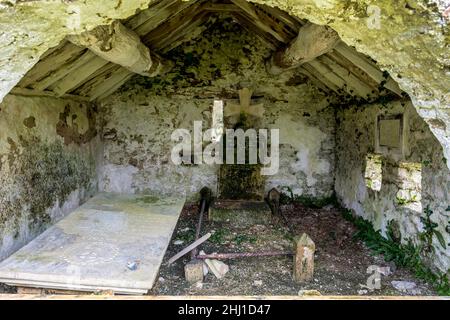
pixel 244 107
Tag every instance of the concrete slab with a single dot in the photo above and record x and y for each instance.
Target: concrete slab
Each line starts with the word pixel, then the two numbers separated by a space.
pixel 112 242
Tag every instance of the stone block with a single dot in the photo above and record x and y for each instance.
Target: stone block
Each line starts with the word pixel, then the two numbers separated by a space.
pixel 193 271
pixel 303 258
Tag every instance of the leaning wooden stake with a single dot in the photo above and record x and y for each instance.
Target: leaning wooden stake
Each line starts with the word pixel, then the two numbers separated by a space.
pixel 188 249
pixel 304 258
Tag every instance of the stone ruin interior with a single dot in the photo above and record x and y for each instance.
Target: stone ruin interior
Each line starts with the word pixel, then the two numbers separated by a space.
pixel 90 199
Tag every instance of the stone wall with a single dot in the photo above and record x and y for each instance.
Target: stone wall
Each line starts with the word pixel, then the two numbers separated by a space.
pixel 139 120
pixel 47 164
pixel 384 185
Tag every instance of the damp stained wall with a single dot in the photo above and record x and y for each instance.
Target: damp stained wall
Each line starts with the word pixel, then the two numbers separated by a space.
pixel 409 182
pixel 139 119
pixel 48 156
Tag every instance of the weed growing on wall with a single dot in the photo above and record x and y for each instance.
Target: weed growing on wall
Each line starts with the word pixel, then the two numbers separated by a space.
pixel 403 255
pixel 429 231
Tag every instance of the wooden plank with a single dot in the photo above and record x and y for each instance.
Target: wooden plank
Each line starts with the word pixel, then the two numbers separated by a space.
pixel 189 248
pixel 250 11
pixel 353 83
pixel 115 87
pixel 78 77
pixel 282 16
pixel 112 82
pixel 365 64
pixel 191 32
pixel 97 78
pixel 164 33
pixel 248 24
pixel 34 93
pixel 363 76
pixel 222 7
pixel 138 19
pixel 318 83
pixel 162 16
pixel 280 27
pixel 328 74
pixel 63 71
pixel 56 48
pixel 183 30
pixel 313 73
pixel 52 63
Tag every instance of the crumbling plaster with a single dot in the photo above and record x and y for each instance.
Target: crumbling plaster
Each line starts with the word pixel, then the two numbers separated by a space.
pixel 139 120
pixel 408 185
pixel 44 173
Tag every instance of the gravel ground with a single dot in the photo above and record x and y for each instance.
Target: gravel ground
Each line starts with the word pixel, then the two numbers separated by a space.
pixel 340 262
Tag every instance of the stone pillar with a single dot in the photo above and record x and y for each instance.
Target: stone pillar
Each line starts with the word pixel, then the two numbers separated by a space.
pixel 303 258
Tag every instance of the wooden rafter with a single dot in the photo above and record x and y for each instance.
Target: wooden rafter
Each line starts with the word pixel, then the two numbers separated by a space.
pixel 254 16
pixel 51 63
pixel 163 34
pixel 222 7
pixel 282 16
pixel 69 70
pixel 247 24
pixel 160 15
pixel 370 68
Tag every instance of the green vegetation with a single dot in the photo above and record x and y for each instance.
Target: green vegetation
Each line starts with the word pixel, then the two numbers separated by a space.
pixel 429 230
pixel 403 255
pixel 239 239
pixel 219 236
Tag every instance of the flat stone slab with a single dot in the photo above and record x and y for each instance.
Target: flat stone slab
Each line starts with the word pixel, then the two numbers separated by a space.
pixel 240 212
pixel 113 242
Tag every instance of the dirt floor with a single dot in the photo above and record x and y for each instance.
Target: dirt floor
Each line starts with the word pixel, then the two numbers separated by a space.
pixel 341 263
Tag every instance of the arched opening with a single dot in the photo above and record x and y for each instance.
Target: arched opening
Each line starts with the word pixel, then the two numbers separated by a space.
pixel 98 110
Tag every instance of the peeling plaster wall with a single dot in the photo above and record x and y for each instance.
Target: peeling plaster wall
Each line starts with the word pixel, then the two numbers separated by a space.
pixel 48 156
pixel 139 120
pixel 410 42
pixel 409 184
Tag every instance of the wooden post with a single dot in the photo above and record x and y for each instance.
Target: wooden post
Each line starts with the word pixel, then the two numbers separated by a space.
pixel 303 258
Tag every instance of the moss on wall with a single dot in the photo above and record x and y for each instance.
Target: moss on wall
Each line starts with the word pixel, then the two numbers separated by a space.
pixel 42 174
pixel 140 118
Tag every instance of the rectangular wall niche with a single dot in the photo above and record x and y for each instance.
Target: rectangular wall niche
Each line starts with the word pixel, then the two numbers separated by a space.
pixel 389 135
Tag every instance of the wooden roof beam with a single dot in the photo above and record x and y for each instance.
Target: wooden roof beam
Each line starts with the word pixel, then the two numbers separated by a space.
pixel 312 41
pixel 122 46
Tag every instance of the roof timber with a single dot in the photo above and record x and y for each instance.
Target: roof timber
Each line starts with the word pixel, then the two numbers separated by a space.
pixel 51 62
pixel 163 35
pixel 64 70
pixel 250 11
pixel 68 70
